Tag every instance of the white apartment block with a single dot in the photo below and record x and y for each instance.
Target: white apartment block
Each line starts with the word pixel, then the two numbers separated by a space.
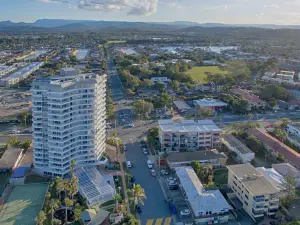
pixel 285 75
pixel 188 135
pixel 258 196
pixel 68 122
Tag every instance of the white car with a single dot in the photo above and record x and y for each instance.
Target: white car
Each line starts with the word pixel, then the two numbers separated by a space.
pixel 153 173
pixel 149 164
pixel 185 212
pixel 145 151
pixel 164 172
pixel 171 179
pixel 129 164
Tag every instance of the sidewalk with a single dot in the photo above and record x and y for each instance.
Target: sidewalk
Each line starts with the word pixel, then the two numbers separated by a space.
pixel 121 158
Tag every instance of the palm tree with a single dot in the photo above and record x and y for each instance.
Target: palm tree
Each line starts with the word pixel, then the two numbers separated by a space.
pixel 138 194
pixel 59 186
pixel 73 186
pixel 54 205
pixel 41 218
pixel 56 221
pixel 68 204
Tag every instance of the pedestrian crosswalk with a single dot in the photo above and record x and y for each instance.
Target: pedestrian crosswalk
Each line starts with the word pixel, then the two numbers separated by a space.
pixel 159 221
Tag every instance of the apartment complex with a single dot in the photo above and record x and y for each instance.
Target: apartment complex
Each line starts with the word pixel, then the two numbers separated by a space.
pixel 68 122
pixel 21 74
pixel 207 206
pixel 188 135
pixel 285 75
pixel 253 100
pixel 257 195
pixel 276 147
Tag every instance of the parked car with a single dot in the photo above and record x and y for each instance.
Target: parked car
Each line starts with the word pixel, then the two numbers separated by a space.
pixel 153 173
pixel 185 212
pixel 131 125
pixel 164 172
pixel 173 186
pixel 170 179
pixel 129 164
pixel 145 151
pixel 149 164
pixel 172 208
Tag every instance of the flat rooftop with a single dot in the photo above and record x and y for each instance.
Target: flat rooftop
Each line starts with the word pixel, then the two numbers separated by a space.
pixel 237 144
pixel 252 179
pixel 210 102
pixel 201 201
pixel 188 126
pixel 23 204
pixel 196 155
pixel 10 157
pixel 181 105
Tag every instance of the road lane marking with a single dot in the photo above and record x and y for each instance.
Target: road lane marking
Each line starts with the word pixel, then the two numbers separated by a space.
pixel 168 221
pixel 150 222
pixel 158 221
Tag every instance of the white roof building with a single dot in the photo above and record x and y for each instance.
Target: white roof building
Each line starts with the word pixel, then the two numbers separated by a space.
pixel 188 126
pixel 286 169
pixel 210 103
pixel 159 79
pixel 273 177
pixel 204 203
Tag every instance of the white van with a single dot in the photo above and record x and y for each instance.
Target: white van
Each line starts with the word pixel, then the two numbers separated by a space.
pixel 149 163
pixel 129 164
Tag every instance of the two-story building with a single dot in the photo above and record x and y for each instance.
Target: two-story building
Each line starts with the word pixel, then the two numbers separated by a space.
pixel 188 135
pixel 257 195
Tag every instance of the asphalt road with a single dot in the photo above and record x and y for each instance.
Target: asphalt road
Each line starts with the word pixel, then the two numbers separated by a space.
pixel 155 206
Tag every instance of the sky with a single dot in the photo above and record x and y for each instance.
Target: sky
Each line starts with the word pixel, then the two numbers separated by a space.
pixel 286 12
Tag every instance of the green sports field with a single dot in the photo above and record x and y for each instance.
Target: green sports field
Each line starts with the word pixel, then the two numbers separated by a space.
pixel 23 204
pixel 198 72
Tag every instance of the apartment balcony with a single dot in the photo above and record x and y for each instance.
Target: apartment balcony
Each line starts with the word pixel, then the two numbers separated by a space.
pixel 273 206
pixel 274 200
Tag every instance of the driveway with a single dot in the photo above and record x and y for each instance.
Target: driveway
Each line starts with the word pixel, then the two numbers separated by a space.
pixel 155 209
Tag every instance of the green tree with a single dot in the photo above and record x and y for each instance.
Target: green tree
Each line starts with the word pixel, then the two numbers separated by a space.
pixel 56 222
pixel 13 141
pixel 26 144
pixel 284 122
pixel 159 86
pixel 254 143
pixel 77 212
pixel 137 194
pixel 175 84
pixel 53 206
pixel 41 218
pixel 142 107
pixel 290 184
pixel 204 112
pixel 295 222
pixel 165 99
pixel 279 134
pixel 59 185
pixel 147 83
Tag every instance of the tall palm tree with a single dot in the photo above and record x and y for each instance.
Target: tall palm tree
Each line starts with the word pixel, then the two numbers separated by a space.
pixel 138 194
pixel 54 205
pixel 59 185
pixel 73 186
pixel 41 218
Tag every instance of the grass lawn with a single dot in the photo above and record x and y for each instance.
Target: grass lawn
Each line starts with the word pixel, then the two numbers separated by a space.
pixel 198 72
pixel 221 176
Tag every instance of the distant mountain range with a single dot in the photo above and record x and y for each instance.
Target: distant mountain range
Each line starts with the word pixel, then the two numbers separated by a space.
pixel 85 25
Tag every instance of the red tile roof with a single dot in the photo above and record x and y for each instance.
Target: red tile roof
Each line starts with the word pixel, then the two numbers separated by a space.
pixel 246 95
pixel 277 146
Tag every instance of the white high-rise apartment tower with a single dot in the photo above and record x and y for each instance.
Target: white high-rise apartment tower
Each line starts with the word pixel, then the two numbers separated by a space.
pixel 69 121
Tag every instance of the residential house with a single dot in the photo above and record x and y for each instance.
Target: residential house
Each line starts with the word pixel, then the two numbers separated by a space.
pixel 286 169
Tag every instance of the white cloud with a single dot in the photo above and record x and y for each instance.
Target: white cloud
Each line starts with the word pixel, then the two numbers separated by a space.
pixel 133 7
pixel 272 6
pixel 218 7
